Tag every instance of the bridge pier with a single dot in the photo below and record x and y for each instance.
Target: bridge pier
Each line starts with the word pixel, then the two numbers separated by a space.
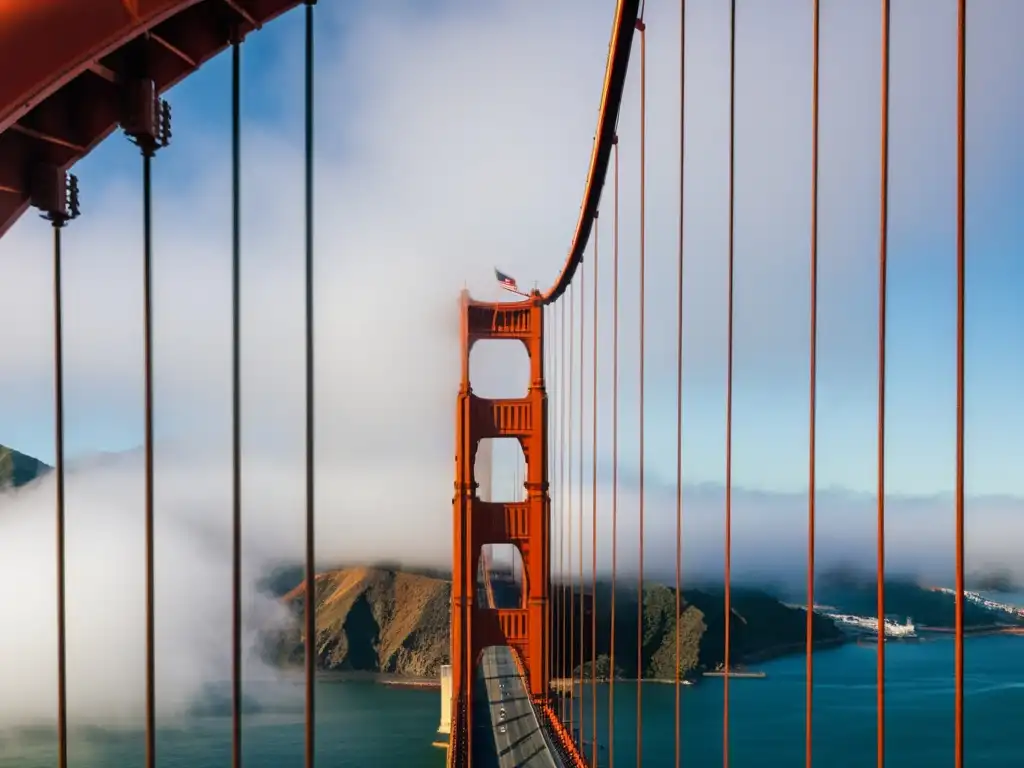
pixel 444 730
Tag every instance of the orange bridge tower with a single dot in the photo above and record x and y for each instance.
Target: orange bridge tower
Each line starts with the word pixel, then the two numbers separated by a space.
pixel 524 524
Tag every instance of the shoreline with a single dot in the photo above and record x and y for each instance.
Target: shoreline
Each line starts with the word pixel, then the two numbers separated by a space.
pixel 377 678
pixel 740 670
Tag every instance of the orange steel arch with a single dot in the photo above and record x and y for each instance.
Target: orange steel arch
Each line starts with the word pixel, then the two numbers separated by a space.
pixel 64 63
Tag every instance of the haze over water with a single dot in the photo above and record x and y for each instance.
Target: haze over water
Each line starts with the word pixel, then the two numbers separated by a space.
pixel 363 725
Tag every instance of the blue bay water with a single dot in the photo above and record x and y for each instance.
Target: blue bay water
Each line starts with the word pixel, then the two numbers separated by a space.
pixel 364 725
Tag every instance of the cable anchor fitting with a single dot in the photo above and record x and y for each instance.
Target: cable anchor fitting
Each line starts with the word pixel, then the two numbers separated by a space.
pixel 55 193
pixel 147 118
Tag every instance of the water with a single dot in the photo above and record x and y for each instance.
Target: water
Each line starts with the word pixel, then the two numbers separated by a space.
pixel 767 715
pixel 362 725
pixel 359 725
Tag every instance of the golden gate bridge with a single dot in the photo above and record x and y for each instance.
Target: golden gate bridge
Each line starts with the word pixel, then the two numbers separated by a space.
pixel 74 71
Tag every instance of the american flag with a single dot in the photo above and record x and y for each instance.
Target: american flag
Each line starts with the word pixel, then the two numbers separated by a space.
pixel 506 282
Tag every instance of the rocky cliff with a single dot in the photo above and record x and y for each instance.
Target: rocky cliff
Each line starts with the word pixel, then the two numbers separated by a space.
pixel 375 620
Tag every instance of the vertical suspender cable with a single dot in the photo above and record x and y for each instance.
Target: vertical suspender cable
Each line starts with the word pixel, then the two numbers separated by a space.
pixel 549 351
pixel 552 323
pixel 961 268
pixel 147 332
pixel 310 498
pixel 579 510
pixel 615 453
pixel 679 381
pixel 640 582
pixel 563 626
pixel 813 395
pixel 883 232
pixel 236 407
pixel 570 671
pixel 593 523
pixel 58 436
pixel 556 446
pixel 728 406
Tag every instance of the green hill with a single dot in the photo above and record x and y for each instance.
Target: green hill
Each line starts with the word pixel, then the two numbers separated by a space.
pixel 17 469
pixel 761 628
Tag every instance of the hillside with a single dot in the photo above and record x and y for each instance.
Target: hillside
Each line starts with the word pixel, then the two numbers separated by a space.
pixel 761 628
pixel 375 620
pixel 386 620
pixel 17 469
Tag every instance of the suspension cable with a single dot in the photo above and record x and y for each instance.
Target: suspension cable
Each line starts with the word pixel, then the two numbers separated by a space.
pixel 593 520
pixel 310 488
pixel 813 395
pixel 883 232
pixel 642 28
pixel 553 476
pixel 236 407
pixel 563 623
pixel 58 222
pixel 615 452
pixel 552 601
pixel 579 510
pixel 147 345
pixel 961 268
pixel 569 500
pixel 679 381
pixel 728 406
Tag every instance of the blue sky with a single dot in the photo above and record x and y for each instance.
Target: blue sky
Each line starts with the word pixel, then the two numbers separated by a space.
pixel 383 71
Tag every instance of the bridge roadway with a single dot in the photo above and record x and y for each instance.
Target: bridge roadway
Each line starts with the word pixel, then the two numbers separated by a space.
pixel 507 733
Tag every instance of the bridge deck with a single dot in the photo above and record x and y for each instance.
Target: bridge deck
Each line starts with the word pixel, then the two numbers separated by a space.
pixel 504 710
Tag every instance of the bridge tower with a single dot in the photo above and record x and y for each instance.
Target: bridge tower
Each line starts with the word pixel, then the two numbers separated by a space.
pixel 525 524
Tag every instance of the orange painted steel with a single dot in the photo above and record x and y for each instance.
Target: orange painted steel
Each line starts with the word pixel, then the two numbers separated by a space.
pixel 679 381
pixel 619 50
pixel 642 29
pixel 728 386
pixel 477 523
pixel 65 63
pixel 567 489
pixel 883 246
pixel 812 397
pixel 961 252
pixel 615 453
pixel 593 521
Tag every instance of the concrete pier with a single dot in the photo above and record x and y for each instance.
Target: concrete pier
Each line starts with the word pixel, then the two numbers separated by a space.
pixel 444 730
